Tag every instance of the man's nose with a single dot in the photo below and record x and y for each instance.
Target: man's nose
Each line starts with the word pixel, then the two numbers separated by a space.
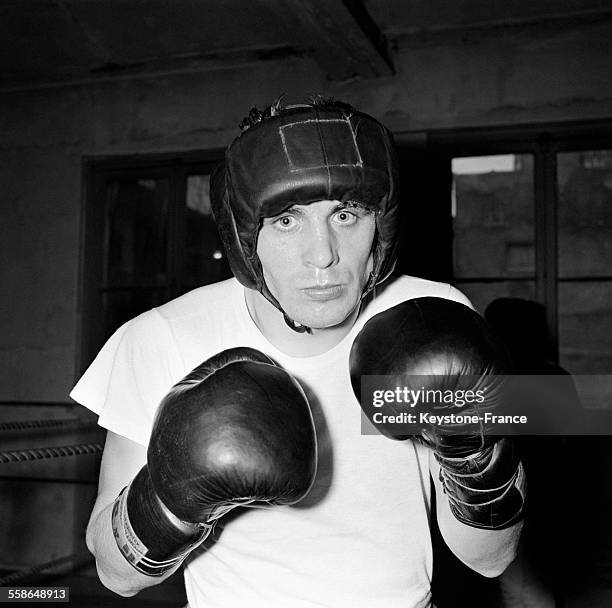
pixel 321 249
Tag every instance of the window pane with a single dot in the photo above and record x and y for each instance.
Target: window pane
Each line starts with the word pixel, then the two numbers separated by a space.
pixel 205 259
pixel 493 222
pixel 482 294
pixel 584 182
pixel 136 232
pixel 585 327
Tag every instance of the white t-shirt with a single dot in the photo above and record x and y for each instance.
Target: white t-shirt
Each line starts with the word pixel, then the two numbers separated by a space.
pixel 360 538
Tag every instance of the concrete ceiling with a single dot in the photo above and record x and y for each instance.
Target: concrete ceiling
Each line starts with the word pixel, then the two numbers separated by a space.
pixel 49 42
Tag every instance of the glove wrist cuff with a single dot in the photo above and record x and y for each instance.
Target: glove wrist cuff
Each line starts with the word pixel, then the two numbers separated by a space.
pixel 148 535
pixel 486 490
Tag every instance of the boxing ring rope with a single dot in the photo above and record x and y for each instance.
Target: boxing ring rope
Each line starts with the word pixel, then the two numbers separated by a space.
pixel 33 574
pixel 42 453
pixel 50 452
pixel 71 423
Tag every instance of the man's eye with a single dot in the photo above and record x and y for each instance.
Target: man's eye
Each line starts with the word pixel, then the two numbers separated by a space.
pixel 345 217
pixel 285 222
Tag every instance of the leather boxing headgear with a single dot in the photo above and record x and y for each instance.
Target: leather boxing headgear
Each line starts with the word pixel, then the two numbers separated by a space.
pixel 298 155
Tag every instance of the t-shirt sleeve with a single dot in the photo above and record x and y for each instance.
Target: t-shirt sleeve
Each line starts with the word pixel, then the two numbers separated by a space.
pixel 129 377
pixel 458 296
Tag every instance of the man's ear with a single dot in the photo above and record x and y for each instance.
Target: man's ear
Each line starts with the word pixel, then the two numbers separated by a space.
pixel 370 263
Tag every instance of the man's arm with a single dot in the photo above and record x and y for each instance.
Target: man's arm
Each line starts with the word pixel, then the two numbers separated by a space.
pixel 439 347
pixel 121 461
pixel 488 552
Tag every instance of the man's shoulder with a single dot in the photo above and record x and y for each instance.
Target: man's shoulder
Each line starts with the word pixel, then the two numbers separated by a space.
pixel 206 300
pixel 192 324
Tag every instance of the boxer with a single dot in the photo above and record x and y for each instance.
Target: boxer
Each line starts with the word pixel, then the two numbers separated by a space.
pixel 308 208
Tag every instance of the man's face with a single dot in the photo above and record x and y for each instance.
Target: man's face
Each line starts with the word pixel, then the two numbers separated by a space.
pixel 316 260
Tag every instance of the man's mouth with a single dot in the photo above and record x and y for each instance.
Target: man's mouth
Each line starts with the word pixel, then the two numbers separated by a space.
pixel 323 292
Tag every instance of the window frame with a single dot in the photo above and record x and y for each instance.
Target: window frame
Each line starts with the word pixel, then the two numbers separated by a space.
pixel 97 171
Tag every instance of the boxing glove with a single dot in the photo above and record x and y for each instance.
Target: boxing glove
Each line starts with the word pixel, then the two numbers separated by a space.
pixel 439 345
pixel 237 430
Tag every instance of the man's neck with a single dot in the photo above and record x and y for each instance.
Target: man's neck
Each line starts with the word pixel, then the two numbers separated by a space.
pixel 271 323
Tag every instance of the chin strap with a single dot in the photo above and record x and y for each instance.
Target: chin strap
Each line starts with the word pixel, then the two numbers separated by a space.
pixel 300 329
